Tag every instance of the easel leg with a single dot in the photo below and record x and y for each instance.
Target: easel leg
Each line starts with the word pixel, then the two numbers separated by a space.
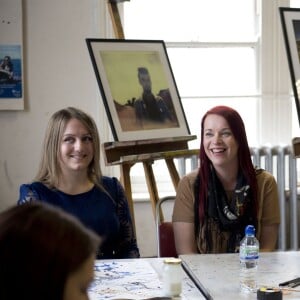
pixel 152 188
pixel 116 20
pixel 173 172
pixel 126 182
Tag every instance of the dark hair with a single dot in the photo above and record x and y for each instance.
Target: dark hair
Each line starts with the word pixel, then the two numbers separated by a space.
pixel 143 71
pixel 40 246
pixel 237 127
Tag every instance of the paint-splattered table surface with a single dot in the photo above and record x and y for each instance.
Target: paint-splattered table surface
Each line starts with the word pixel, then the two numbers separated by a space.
pixel 134 279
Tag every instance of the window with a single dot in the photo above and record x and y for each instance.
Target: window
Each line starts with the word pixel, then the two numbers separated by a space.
pixel 222 52
pixel 295 3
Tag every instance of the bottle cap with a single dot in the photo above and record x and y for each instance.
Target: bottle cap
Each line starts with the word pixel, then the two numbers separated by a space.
pixel 250 230
pixel 174 261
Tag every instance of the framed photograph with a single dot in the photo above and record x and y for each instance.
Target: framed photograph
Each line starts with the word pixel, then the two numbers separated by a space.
pixel 138 89
pixel 11 56
pixel 290 20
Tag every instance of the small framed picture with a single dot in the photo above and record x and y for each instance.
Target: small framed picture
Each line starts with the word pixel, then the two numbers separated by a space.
pixel 290 20
pixel 138 89
pixel 11 56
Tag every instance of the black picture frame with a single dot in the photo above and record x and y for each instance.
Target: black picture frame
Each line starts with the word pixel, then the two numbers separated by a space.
pixel 124 69
pixel 290 21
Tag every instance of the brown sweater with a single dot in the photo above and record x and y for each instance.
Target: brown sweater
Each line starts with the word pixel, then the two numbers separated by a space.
pixel 268 208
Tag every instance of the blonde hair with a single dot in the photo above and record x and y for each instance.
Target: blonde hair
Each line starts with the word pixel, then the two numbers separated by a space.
pixel 49 168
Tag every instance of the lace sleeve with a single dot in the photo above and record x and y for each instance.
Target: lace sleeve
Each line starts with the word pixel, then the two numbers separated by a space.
pixel 27 194
pixel 128 245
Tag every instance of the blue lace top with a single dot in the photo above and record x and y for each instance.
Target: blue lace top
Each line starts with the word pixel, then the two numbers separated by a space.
pixel 108 216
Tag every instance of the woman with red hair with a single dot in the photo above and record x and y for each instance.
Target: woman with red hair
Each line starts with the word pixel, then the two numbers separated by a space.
pixel 215 203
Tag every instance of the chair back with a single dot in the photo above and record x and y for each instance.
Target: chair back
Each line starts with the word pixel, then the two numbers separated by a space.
pixel 164 232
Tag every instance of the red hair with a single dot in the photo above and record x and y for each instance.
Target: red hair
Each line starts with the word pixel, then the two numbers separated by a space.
pixel 237 127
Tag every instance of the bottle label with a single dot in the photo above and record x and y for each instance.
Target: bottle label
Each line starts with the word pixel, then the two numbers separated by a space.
pixel 249 253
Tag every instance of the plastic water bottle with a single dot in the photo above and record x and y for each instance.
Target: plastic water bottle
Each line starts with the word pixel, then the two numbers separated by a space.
pixel 249 255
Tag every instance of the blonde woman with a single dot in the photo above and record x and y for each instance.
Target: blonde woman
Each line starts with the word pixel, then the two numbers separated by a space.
pixel 69 176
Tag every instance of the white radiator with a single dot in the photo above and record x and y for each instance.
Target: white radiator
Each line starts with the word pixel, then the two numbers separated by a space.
pixel 280 162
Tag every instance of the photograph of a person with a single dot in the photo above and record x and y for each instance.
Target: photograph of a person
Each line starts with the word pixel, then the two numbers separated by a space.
pixel 150 107
pixel 290 21
pixel 143 100
pixel 296 25
pixel 10 71
pixel 6 70
pixel 138 89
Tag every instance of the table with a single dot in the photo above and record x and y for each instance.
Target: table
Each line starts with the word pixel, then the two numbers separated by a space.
pixel 218 274
pixel 134 279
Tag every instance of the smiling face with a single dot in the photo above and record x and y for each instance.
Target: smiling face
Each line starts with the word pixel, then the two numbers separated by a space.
pixel 219 143
pixel 76 149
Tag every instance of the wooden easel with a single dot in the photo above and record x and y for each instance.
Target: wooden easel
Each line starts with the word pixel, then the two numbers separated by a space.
pixel 126 154
pixel 115 18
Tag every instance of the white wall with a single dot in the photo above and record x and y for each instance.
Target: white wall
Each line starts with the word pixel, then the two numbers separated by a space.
pixel 58 73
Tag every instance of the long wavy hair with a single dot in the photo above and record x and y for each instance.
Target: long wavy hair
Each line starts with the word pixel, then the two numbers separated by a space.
pixel 237 127
pixel 40 247
pixel 49 169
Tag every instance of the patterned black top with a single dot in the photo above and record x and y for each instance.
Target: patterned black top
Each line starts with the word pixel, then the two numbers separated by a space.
pixel 108 216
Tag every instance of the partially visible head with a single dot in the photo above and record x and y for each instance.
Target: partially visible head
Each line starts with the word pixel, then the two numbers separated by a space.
pixel 237 128
pixel 144 79
pixel 50 162
pixel 6 58
pixel 42 249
